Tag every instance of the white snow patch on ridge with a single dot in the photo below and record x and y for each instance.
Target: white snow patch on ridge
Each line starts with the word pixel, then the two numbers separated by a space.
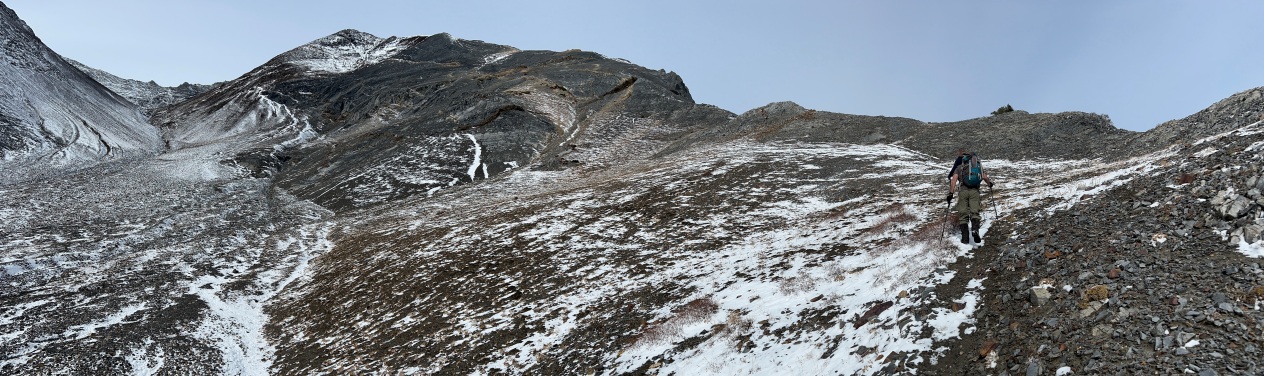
pixel 344 52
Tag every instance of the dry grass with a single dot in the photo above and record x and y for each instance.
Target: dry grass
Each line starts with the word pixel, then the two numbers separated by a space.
pixel 667 330
pixel 696 310
pixel 891 219
pixel 836 272
pixel 797 284
pixel 933 230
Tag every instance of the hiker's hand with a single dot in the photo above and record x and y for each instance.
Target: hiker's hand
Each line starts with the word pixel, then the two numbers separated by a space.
pixel 949 197
pixel 991 184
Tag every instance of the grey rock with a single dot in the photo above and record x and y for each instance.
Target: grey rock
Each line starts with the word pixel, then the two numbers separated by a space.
pixel 1220 198
pixel 1234 206
pixel 1184 337
pixel 1249 234
pixel 1040 296
pixel 1033 369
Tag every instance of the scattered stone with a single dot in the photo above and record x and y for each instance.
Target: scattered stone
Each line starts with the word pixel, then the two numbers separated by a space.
pixel 1090 308
pixel 1040 295
pixel 987 348
pixel 1102 330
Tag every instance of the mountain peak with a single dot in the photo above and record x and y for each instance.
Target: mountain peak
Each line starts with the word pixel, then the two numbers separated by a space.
pixel 343 51
pixel 348 36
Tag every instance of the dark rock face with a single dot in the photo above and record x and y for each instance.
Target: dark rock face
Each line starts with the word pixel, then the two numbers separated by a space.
pixel 410 116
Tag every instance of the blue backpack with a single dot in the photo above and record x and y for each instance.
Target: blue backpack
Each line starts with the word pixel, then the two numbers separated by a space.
pixel 971 171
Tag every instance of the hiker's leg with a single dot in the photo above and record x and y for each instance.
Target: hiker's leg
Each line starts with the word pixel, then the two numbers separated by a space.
pixel 976 205
pixel 974 230
pixel 963 207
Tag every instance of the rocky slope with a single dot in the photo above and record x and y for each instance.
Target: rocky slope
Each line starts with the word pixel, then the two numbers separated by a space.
pixel 52 114
pixel 1157 275
pixel 149 96
pixel 433 205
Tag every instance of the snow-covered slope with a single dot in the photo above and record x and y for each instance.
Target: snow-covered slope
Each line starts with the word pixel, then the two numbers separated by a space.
pixel 51 114
pixel 343 52
pixel 254 111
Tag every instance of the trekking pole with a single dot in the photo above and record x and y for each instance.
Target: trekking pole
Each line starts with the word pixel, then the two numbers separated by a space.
pixel 943 226
pixel 992 194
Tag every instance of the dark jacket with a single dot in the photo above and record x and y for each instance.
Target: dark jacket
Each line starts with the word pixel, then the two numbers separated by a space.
pixel 954 167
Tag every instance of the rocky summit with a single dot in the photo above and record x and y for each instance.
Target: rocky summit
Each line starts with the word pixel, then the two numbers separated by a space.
pixel 435 205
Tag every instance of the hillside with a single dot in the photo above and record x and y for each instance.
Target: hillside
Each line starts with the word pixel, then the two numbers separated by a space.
pixel 53 115
pixel 435 205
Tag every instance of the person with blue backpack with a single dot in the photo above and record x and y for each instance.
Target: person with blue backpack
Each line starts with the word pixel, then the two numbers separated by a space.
pixel 967 177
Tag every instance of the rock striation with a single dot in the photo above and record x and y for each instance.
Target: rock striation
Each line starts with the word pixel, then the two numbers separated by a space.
pixel 53 115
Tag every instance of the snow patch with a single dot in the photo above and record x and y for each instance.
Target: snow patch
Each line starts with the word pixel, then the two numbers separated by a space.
pixel 342 53
pixel 83 331
pixel 1251 249
pixel 478 158
pixel 234 322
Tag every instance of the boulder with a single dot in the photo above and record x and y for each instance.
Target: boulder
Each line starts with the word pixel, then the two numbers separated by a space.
pixel 1249 234
pixel 1232 206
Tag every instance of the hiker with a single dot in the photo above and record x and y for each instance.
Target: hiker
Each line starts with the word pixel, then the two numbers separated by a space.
pixel 968 175
pixel 960 152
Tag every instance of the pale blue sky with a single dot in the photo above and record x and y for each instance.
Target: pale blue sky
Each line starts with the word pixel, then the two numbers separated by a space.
pixel 1142 62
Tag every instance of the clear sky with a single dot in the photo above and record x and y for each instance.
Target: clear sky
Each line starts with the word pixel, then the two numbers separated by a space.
pixel 1142 62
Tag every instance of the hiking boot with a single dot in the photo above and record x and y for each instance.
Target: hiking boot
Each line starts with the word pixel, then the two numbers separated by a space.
pixel 965 233
pixel 974 230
